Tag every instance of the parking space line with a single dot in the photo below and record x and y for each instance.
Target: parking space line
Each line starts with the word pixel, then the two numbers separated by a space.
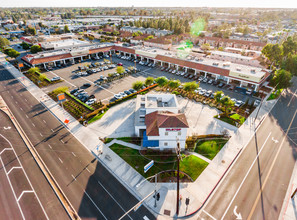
pixel 13 169
pixel 88 170
pixel 73 177
pixel 73 154
pixel 50 146
pixel 44 121
pixel 33 124
pixel 25 191
pixel 60 160
pixel 63 79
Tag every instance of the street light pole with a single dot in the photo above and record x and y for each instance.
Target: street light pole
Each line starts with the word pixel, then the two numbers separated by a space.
pixel 177 190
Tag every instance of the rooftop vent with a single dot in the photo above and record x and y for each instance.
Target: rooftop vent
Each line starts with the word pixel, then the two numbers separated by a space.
pixel 215 63
pixel 238 69
pixel 253 71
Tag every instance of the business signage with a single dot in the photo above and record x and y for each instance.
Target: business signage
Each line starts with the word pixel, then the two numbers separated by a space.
pixel 80 52
pixel 145 53
pixel 173 129
pixel 61 97
pixel 148 166
pixel 253 78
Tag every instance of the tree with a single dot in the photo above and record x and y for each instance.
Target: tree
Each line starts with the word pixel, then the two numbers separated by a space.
pixel 91 38
pixel 227 103
pixel 120 69
pixel 289 46
pixel 190 86
pixel 137 85
pixel 66 29
pixel 162 81
pixel 12 53
pixel 149 80
pixel 205 47
pixel 25 45
pixel 33 70
pixel 273 52
pixel 3 42
pixel 281 79
pixel 173 84
pixel 35 49
pixel 218 95
pixel 31 30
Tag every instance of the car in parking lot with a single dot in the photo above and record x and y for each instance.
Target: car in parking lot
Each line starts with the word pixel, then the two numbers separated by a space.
pixel 238 103
pixel 127 92
pixel 123 94
pixel 221 85
pixel 91 101
pixel 205 80
pixel 208 93
pixel 210 81
pixel 132 90
pixel 117 96
pixel 249 92
pixel 74 91
pixel 112 100
pixel 257 103
pixel 78 91
pixel 87 85
pixel 56 78
pixel 201 92
pixel 163 68
pixel 200 78
pixel 120 64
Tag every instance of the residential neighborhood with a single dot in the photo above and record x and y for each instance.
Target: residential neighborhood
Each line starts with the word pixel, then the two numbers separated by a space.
pixel 127 111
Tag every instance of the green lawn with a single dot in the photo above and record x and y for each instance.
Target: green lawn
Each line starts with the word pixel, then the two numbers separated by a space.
pixel 226 119
pixel 191 165
pixel 210 148
pixel 238 117
pixel 97 117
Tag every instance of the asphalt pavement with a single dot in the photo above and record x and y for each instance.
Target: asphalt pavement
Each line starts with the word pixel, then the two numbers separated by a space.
pixel 91 189
pixel 256 185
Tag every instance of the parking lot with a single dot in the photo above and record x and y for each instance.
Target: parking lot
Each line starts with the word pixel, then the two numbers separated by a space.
pixel 106 91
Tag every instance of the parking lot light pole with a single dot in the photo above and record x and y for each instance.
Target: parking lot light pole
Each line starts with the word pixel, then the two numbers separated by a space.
pixel 177 182
pixel 135 66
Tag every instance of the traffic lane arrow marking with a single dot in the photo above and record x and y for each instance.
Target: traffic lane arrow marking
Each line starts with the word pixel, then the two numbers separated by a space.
pixel 238 215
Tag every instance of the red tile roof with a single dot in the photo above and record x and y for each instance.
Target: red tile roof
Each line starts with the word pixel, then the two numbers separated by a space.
pixel 124 49
pixel 157 119
pixel 30 58
pixel 159 41
pixel 102 49
pixel 198 66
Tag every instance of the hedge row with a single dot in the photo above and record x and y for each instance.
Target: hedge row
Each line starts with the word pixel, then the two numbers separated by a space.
pixel 47 79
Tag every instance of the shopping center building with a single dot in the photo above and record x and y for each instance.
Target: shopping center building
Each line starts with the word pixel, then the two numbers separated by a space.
pixel 240 75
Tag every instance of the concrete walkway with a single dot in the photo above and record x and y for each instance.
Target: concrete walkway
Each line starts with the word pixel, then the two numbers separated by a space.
pixel 197 192
pixel 126 144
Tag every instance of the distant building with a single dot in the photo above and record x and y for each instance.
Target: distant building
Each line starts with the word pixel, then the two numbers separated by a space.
pixel 63 44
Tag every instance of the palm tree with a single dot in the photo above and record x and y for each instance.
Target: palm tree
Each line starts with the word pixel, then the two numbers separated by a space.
pixel 218 96
pixel 227 103
pixel 173 84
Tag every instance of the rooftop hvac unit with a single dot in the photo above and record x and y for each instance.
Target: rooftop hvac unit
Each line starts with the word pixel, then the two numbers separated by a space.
pixel 238 69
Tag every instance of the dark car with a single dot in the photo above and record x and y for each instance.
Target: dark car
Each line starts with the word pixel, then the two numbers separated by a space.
pixel 86 85
pixel 74 91
pixel 127 92
pixel 85 98
pixel 91 97
pixel 216 82
pixel 112 100
pixel 132 90
pixel 163 68
pixel 221 85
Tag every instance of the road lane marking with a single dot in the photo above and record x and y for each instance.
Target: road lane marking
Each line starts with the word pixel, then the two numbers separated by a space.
pixel 25 191
pixel 44 121
pixel 52 130
pixel 88 170
pixel 209 215
pixel 245 177
pixel 60 160
pixel 292 98
pixel 50 146
pixel 21 109
pixel 270 169
pixel 95 204
pixel 113 198
pixel 73 154
pixel 13 169
pixel 33 124
pixel 73 177
pixel 27 116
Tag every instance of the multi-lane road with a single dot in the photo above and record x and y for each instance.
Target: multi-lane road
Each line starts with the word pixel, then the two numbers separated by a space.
pixel 92 190
pixel 256 185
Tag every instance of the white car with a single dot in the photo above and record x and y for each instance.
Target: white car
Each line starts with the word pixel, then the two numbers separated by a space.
pixel 182 73
pixel 84 73
pixel 238 103
pixel 249 91
pixel 234 100
pixel 257 102
pixel 174 71
pixel 208 93
pixel 202 91
pixel 117 96
pixel 123 94
pixel 91 101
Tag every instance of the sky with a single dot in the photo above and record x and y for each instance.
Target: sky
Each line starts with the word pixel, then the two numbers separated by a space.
pixel 151 3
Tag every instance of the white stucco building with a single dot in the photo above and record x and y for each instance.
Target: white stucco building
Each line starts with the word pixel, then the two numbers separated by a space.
pixel 158 121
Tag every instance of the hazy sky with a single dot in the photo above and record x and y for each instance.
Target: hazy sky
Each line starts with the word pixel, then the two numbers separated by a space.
pixel 151 3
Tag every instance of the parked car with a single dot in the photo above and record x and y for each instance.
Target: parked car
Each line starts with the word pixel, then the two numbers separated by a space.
pixel 56 78
pixel 205 80
pixel 87 85
pixel 238 103
pixel 210 81
pixel 120 64
pixel 132 90
pixel 123 94
pixel 91 101
pixel 112 100
pixel 78 91
pixel 84 98
pixel 127 92
pixel 208 93
pixel 200 78
pixel 221 85
pixel 257 103
pixel 201 92
pixel 74 91
pixel 91 97
pixel 117 96
pixel 249 91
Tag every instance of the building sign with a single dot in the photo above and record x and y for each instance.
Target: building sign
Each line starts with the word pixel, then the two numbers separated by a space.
pixel 80 52
pixel 61 97
pixel 145 53
pixel 253 78
pixel 173 129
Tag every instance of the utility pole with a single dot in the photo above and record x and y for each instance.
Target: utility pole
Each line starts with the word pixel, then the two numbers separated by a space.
pixel 177 190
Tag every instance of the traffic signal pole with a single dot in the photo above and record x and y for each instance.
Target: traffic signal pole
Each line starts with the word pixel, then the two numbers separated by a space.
pixel 177 186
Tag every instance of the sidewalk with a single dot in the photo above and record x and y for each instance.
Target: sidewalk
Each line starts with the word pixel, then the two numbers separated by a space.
pixel 197 192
